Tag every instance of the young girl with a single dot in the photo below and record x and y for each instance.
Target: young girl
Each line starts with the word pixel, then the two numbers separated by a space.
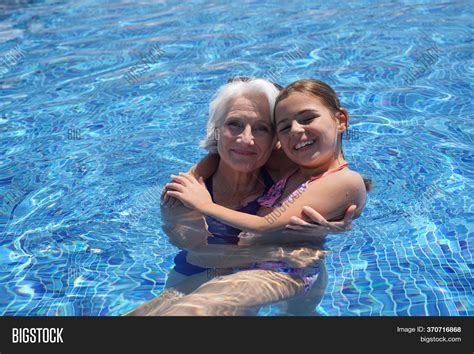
pixel 309 122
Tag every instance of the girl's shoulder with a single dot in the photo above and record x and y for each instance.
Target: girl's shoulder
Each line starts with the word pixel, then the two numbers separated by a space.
pixel 355 189
pixel 350 181
pixel 345 186
pixel 352 178
pixel 345 177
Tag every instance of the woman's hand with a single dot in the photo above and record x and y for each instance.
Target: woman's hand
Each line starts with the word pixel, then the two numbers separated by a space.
pixel 246 239
pixel 191 192
pixel 319 225
pixel 301 257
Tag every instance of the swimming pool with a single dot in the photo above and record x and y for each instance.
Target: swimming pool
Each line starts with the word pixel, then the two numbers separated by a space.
pixel 102 100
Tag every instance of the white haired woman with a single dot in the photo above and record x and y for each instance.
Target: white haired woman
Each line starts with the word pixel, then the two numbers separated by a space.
pixel 244 161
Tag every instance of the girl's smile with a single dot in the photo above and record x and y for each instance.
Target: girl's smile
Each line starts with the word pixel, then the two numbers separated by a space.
pixel 307 129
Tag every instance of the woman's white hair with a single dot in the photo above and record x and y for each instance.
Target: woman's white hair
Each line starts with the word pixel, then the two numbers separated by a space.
pixel 228 92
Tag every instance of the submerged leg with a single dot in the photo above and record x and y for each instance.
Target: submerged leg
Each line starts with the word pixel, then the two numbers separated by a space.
pixel 177 286
pixel 161 302
pixel 305 305
pixel 238 294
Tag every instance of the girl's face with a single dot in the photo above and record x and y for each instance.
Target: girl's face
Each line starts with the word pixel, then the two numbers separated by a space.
pixel 246 137
pixel 306 129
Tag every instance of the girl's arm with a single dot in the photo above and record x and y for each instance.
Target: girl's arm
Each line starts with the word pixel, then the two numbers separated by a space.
pixel 205 168
pixel 329 196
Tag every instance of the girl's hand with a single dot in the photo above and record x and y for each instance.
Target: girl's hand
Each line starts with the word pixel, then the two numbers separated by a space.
pixel 191 192
pixel 168 201
pixel 319 225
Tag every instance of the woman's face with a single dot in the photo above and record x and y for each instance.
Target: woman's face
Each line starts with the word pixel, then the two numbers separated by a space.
pixel 306 129
pixel 246 137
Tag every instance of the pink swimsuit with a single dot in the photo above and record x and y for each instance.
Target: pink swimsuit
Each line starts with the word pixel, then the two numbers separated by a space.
pixel 270 198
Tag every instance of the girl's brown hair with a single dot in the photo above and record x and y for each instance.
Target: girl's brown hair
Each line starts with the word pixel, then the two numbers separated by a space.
pixel 313 87
pixel 323 91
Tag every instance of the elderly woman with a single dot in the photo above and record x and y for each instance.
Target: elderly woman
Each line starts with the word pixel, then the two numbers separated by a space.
pixel 246 160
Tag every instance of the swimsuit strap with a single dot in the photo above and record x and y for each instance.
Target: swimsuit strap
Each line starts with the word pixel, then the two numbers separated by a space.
pixel 267 179
pixel 314 178
pixel 285 179
pixel 270 198
pixel 275 192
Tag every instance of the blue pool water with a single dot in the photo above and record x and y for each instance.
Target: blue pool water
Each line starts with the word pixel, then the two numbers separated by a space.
pixel 102 100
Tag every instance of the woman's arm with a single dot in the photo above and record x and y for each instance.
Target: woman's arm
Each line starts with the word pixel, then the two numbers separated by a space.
pixel 299 230
pixel 185 228
pixel 319 225
pixel 231 256
pixel 278 164
pixel 334 195
pixel 206 167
